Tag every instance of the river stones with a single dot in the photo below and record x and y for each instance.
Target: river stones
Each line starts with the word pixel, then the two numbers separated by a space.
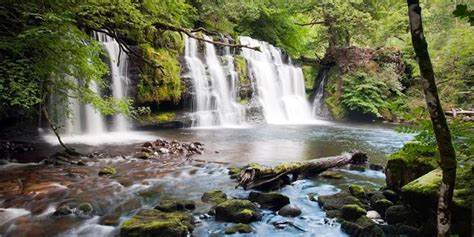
pixel 331 174
pixel 357 191
pixel 238 228
pixel 352 212
pixel 237 211
pixel 107 171
pixel 172 205
pixel 289 210
pixel 152 222
pixel 399 214
pixel 273 201
pixel 382 205
pixel 391 195
pixel 357 227
pixel 76 208
pixel 214 197
pixel 337 201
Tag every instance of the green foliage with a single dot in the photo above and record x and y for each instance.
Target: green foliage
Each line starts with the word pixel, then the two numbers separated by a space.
pixel 309 73
pixel 462 12
pixel 160 84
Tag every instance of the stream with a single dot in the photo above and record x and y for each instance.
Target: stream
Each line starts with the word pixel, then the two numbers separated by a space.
pixel 143 183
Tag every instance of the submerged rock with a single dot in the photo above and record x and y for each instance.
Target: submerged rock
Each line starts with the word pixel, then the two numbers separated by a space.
pixel 172 205
pixel 238 228
pixel 289 210
pixel 214 197
pixel 331 174
pixel 237 211
pixel 273 201
pixel 155 223
pixel 107 171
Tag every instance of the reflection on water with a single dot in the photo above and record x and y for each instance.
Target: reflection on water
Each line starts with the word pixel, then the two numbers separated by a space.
pixel 142 184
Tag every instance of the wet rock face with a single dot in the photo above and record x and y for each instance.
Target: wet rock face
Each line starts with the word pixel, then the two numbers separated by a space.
pixel 338 200
pixel 273 201
pixel 237 211
pixel 156 223
pixel 289 210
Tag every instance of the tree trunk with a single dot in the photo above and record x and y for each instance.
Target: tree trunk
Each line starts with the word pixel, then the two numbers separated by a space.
pixel 438 120
pixel 261 177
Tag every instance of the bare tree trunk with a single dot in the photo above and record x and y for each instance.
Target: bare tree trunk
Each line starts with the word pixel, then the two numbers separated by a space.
pixel 438 120
pixel 54 128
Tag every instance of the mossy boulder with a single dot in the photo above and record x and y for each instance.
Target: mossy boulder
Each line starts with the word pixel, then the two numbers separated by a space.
pixel 357 191
pixel 337 201
pixel 107 171
pixel 391 195
pixel 331 174
pixel 399 214
pixel 153 222
pixel 352 212
pixel 172 205
pixel 86 208
pixel 273 201
pixel 409 163
pixel 355 228
pixel 239 228
pixel 237 211
pixel 382 205
pixel 214 197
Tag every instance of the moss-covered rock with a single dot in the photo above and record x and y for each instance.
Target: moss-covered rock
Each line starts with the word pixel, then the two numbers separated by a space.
pixel 86 208
pixel 234 170
pixel 273 201
pixel 337 201
pixel 354 228
pixel 352 212
pixel 172 205
pixel 399 214
pixel 238 228
pixel 408 164
pixel 357 191
pixel 107 171
pixel 156 223
pixel 237 211
pixel 214 197
pixel 331 174
pixel 382 205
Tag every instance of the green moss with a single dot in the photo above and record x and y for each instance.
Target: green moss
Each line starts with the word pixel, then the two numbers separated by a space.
pixel 160 117
pixel 172 205
pixel 309 73
pixel 331 174
pixel 241 69
pixel 238 211
pixel 364 221
pixel 357 191
pixel 107 171
pixel 238 228
pixel 214 197
pixel 156 223
pixel 352 211
pixel 85 208
pixel 234 170
pixel 160 84
pixel 244 102
pixel 288 166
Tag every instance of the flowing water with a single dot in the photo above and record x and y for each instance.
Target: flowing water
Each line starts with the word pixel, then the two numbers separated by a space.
pixel 280 86
pixel 215 86
pixel 143 183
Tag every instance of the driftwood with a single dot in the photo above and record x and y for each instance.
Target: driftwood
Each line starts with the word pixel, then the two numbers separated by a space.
pixel 255 176
pixel 455 112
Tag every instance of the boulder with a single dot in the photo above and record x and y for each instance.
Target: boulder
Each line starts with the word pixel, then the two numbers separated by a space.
pixel 399 214
pixel 214 197
pixel 273 201
pixel 391 195
pixel 357 191
pixel 378 195
pixel 355 228
pixel 336 201
pixel 153 222
pixel 373 215
pixel 289 210
pixel 409 231
pixel 238 228
pixel 237 211
pixel 375 167
pixel 382 205
pixel 107 171
pixel 334 214
pixel 352 212
pixel 331 174
pixel 173 205
pixel 372 231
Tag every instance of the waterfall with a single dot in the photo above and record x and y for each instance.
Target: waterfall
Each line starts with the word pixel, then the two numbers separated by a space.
pixel 85 119
pixel 119 73
pixel 279 86
pixel 215 86
pixel 318 96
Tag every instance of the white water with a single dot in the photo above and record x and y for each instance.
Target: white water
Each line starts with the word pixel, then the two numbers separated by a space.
pixel 317 102
pixel 119 73
pixel 280 86
pixel 215 102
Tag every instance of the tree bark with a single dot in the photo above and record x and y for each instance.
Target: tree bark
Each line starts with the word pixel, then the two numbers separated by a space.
pixel 438 119
pixel 262 177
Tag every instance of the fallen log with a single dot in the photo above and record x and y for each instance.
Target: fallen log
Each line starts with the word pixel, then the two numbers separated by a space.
pixel 255 176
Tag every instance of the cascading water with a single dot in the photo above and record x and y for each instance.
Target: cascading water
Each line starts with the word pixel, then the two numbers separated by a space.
pixel 279 86
pixel 318 97
pixel 85 119
pixel 215 87
pixel 119 73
